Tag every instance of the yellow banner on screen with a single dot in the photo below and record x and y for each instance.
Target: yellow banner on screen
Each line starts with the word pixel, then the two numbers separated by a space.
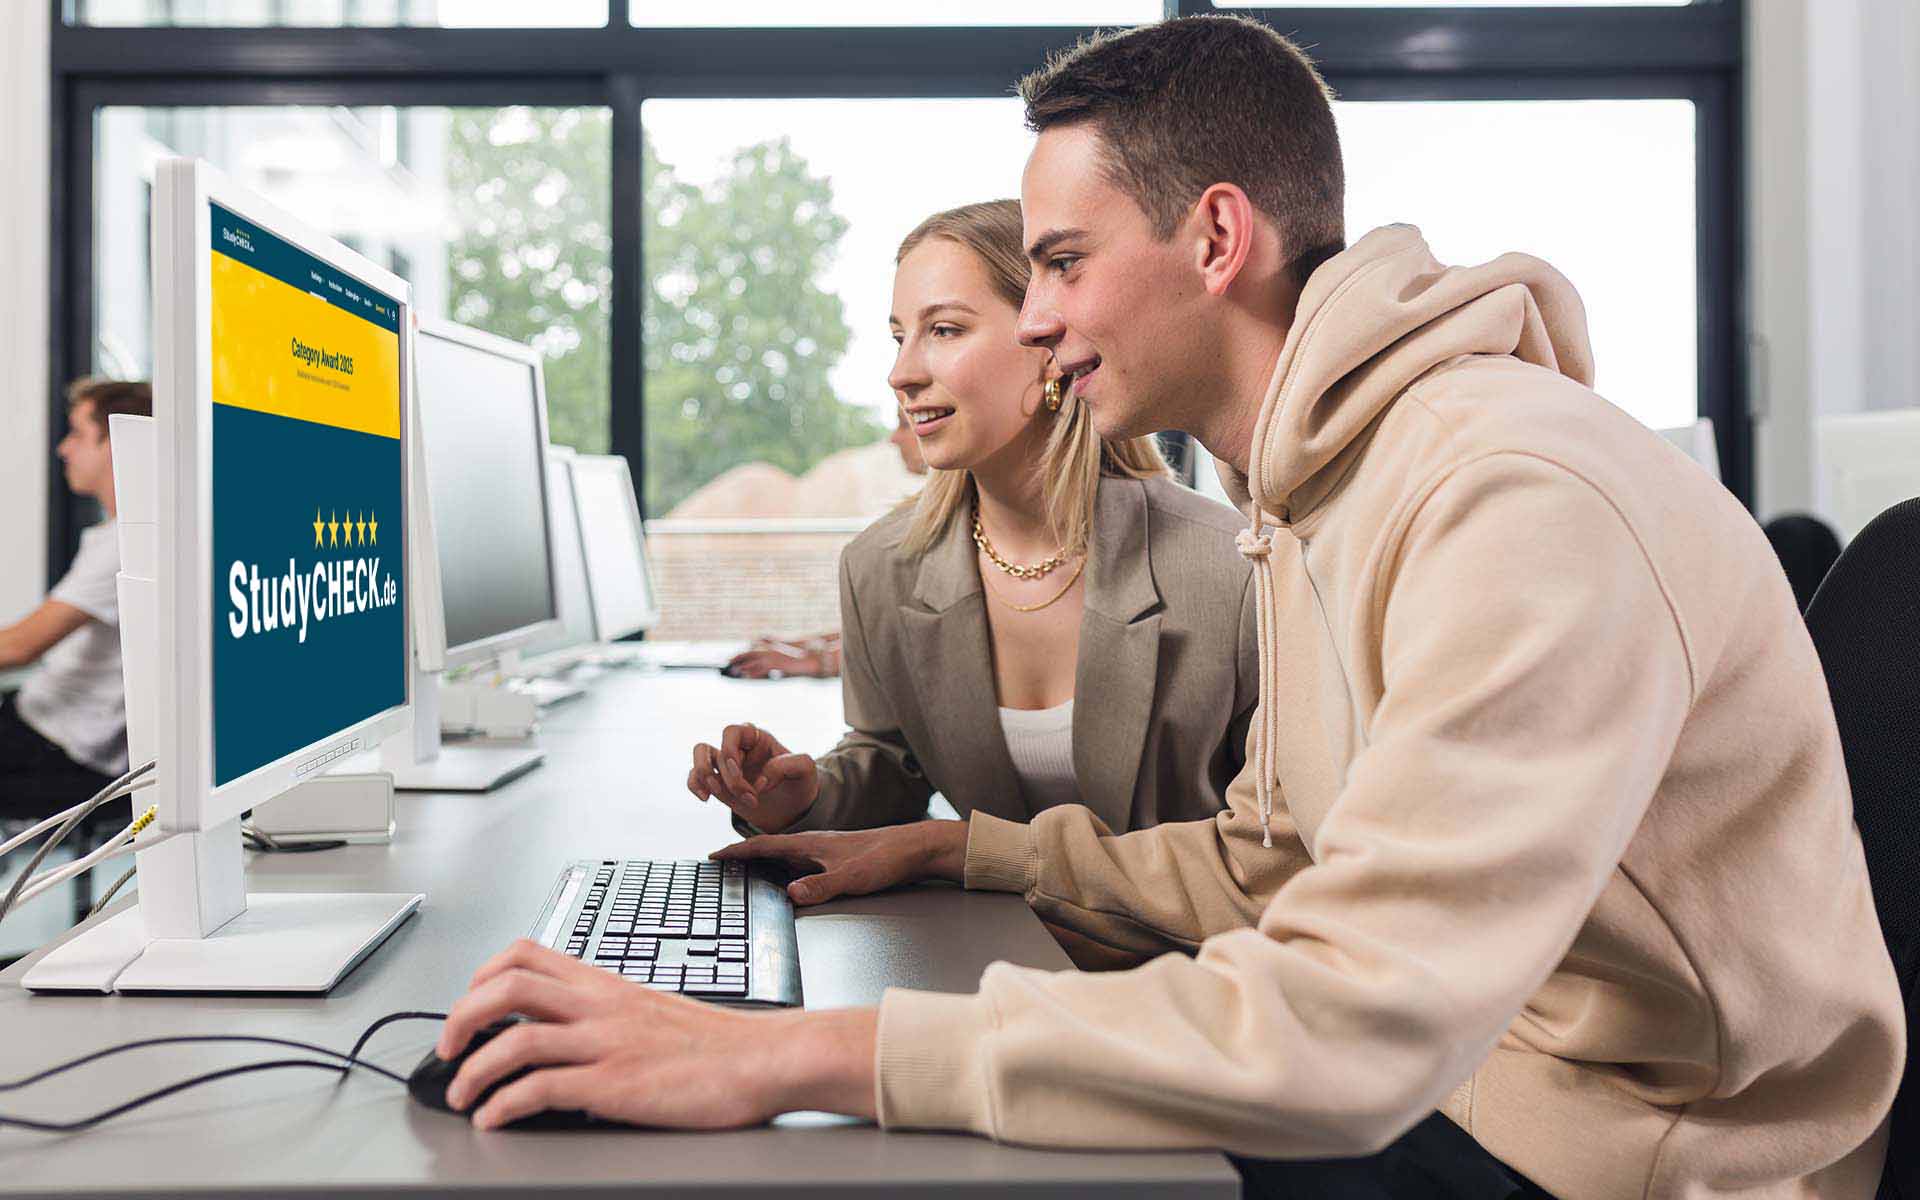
pixel 279 350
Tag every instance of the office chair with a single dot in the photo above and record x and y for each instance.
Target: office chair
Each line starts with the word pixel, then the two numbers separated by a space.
pixel 1865 622
pixel 1807 548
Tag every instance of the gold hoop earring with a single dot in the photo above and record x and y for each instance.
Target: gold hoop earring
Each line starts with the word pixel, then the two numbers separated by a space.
pixel 1050 396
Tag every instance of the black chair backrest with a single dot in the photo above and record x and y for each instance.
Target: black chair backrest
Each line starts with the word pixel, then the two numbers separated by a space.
pixel 1807 548
pixel 1865 622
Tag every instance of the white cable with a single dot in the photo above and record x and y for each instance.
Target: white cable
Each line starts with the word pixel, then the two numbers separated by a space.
pixel 52 879
pixel 122 786
pixel 21 839
pixel 14 843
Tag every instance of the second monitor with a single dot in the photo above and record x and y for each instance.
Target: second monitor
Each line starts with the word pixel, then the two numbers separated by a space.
pixel 483 437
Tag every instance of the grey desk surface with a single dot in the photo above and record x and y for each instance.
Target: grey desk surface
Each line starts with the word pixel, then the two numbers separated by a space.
pixel 612 783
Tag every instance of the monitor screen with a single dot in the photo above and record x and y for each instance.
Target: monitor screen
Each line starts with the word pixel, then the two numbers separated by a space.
pixel 309 623
pixel 481 426
pixel 615 544
pixel 569 560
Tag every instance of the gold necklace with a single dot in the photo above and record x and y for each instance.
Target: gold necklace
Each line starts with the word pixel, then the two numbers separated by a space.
pixel 1027 608
pixel 1036 571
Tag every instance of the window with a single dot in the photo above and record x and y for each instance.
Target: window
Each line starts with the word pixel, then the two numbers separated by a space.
pixel 447 13
pixel 826 13
pixel 498 217
pixel 771 228
pixel 694 141
pixel 1604 192
pixel 1223 4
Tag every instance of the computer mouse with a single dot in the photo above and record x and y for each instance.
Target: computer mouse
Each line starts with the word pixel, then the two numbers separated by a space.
pixel 428 1085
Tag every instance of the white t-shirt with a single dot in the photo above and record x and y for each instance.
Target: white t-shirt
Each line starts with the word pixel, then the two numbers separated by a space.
pixel 1040 743
pixel 78 699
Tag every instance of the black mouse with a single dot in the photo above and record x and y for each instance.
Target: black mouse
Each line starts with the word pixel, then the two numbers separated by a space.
pixel 428 1085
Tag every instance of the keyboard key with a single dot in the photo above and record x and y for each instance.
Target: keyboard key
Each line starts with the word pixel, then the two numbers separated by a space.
pixel 702 948
pixel 718 987
pixel 704 928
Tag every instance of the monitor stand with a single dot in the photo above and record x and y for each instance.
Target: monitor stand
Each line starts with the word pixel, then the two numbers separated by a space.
pixel 278 942
pixel 465 769
pixel 420 763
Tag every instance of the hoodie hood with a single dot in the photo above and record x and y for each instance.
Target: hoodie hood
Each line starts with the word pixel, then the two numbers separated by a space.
pixel 1376 317
pixel 1370 321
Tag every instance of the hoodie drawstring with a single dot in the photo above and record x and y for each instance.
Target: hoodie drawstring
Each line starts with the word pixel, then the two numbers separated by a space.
pixel 1257 545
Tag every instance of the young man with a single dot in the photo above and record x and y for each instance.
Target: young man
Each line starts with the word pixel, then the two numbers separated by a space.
pixel 1545 823
pixel 64 736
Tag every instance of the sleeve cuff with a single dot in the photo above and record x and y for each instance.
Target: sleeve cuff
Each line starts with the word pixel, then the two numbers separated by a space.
pixel 931 1070
pixel 1001 856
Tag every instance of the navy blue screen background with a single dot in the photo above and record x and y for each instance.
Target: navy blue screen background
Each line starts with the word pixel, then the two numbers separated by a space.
pixel 272 693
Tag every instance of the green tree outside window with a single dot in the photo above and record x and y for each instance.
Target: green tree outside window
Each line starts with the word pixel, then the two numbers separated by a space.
pixel 739 336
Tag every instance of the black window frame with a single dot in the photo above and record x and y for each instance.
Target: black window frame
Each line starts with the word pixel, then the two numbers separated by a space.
pixel 1693 52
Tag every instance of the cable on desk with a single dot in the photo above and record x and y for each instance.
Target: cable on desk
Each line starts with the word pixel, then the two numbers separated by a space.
pixel 260 840
pixel 344 1064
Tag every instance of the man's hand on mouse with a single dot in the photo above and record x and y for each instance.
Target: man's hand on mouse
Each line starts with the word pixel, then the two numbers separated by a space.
pixel 623 1052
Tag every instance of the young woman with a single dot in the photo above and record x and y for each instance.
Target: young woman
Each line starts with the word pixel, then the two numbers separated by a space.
pixel 1044 624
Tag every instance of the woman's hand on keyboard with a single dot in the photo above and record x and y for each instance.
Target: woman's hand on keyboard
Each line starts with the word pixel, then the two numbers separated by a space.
pixel 755 776
pixel 855 862
pixel 627 1053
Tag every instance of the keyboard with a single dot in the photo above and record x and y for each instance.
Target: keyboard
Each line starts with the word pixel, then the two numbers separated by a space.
pixel 715 931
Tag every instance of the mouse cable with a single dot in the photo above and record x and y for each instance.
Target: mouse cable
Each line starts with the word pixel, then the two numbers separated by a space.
pixel 344 1065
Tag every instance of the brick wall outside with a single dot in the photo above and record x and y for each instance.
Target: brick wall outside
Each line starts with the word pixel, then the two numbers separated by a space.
pixel 728 586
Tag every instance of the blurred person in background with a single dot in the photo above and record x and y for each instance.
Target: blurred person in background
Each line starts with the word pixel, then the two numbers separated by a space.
pixel 63 737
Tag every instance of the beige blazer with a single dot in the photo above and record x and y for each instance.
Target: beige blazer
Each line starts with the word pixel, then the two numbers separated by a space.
pixel 1167 637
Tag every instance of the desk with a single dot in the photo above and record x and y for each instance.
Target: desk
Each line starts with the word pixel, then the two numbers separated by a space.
pixel 613 782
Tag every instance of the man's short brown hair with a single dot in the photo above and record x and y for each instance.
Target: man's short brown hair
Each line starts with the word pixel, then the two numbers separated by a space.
pixel 104 397
pixel 1187 103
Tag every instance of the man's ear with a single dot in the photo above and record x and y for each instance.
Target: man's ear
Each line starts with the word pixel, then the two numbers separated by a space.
pixel 1224 231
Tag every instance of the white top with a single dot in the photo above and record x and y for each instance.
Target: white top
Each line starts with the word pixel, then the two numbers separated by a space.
pixel 1040 742
pixel 78 698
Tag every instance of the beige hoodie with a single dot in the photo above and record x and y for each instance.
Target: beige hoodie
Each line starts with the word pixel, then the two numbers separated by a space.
pixel 1561 837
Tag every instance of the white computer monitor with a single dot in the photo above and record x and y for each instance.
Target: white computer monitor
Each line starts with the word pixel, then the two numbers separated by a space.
pixel 264 584
pixel 615 540
pixel 1867 463
pixel 571 583
pixel 483 432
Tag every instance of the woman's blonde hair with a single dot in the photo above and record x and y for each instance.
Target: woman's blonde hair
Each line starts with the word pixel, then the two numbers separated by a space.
pixel 1075 457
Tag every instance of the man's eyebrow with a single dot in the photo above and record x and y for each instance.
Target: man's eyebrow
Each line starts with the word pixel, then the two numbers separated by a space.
pixel 1044 244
